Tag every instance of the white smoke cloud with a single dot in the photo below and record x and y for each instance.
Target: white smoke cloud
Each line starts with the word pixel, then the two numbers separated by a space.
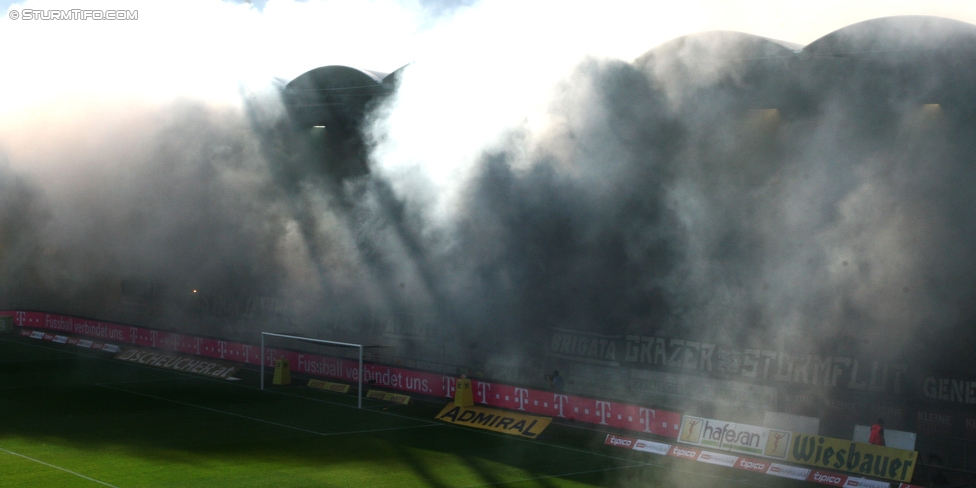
pixel 137 127
pixel 194 48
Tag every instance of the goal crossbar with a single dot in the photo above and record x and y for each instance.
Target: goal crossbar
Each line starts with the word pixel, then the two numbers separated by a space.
pixel 360 347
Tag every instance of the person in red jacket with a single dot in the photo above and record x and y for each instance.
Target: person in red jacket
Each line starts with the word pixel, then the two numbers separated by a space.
pixel 877 433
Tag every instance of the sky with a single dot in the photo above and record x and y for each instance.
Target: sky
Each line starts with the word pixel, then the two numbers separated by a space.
pixel 208 48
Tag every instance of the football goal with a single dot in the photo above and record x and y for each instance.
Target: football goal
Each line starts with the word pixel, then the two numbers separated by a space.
pixel 281 340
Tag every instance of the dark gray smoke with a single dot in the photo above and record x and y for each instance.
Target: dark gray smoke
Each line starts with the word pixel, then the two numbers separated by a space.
pixel 739 193
pixel 728 189
pixel 721 188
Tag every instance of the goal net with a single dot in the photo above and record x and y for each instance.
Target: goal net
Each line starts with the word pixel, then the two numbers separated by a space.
pixel 341 361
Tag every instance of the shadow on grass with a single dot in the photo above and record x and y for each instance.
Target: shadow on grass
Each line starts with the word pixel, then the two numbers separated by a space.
pixel 93 403
pixel 293 436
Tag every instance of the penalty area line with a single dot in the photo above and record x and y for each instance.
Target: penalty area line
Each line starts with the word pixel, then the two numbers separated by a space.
pixel 56 467
pixel 254 419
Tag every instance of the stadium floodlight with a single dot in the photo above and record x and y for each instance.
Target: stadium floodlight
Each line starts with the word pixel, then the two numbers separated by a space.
pixel 358 347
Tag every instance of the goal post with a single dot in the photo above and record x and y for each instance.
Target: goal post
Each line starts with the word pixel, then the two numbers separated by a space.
pixel 358 347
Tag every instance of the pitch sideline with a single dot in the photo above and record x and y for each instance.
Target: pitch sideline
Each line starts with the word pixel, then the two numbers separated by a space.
pixel 382 412
pixel 56 467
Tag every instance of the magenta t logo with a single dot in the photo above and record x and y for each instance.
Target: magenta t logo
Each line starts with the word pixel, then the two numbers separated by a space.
pixel 560 401
pixel 483 389
pixel 448 383
pixel 603 410
pixel 521 396
pixel 647 414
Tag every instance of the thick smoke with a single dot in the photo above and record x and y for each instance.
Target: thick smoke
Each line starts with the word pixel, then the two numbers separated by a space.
pixel 728 190
pixel 721 188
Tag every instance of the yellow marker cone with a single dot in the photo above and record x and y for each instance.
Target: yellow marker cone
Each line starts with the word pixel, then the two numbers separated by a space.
pixel 282 374
pixel 463 397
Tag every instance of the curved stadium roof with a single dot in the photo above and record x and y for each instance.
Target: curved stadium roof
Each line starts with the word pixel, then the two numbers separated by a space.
pixel 719 45
pixel 910 58
pixel 896 34
pixel 757 71
pixel 335 95
pixel 887 34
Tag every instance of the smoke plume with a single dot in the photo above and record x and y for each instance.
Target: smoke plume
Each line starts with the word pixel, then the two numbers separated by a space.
pixel 720 188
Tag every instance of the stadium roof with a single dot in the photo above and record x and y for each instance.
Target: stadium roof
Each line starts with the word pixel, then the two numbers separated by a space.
pixel 896 34
pixel 720 45
pixel 335 95
pixel 915 59
pixel 887 34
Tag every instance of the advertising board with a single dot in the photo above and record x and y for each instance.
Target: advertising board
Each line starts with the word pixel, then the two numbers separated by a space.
pixel 495 420
pixel 853 482
pixel 787 471
pixel 551 404
pixel 620 441
pixel 853 457
pixel 652 447
pixel 330 386
pixel 734 437
pixel 717 459
pixel 684 452
pixel 178 362
pixel 828 478
pixel 748 464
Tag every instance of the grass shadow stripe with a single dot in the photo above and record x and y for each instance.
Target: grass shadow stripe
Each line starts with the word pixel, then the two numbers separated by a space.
pixel 139 382
pixel 34 360
pixel 426 422
pixel 56 467
pixel 561 475
pixel 451 426
pixel 255 419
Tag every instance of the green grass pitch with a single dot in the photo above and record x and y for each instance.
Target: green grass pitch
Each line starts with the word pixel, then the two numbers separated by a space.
pixel 76 418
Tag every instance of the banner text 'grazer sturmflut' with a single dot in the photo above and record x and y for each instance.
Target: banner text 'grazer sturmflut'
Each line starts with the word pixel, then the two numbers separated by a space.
pixel 750 365
pixel 552 404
